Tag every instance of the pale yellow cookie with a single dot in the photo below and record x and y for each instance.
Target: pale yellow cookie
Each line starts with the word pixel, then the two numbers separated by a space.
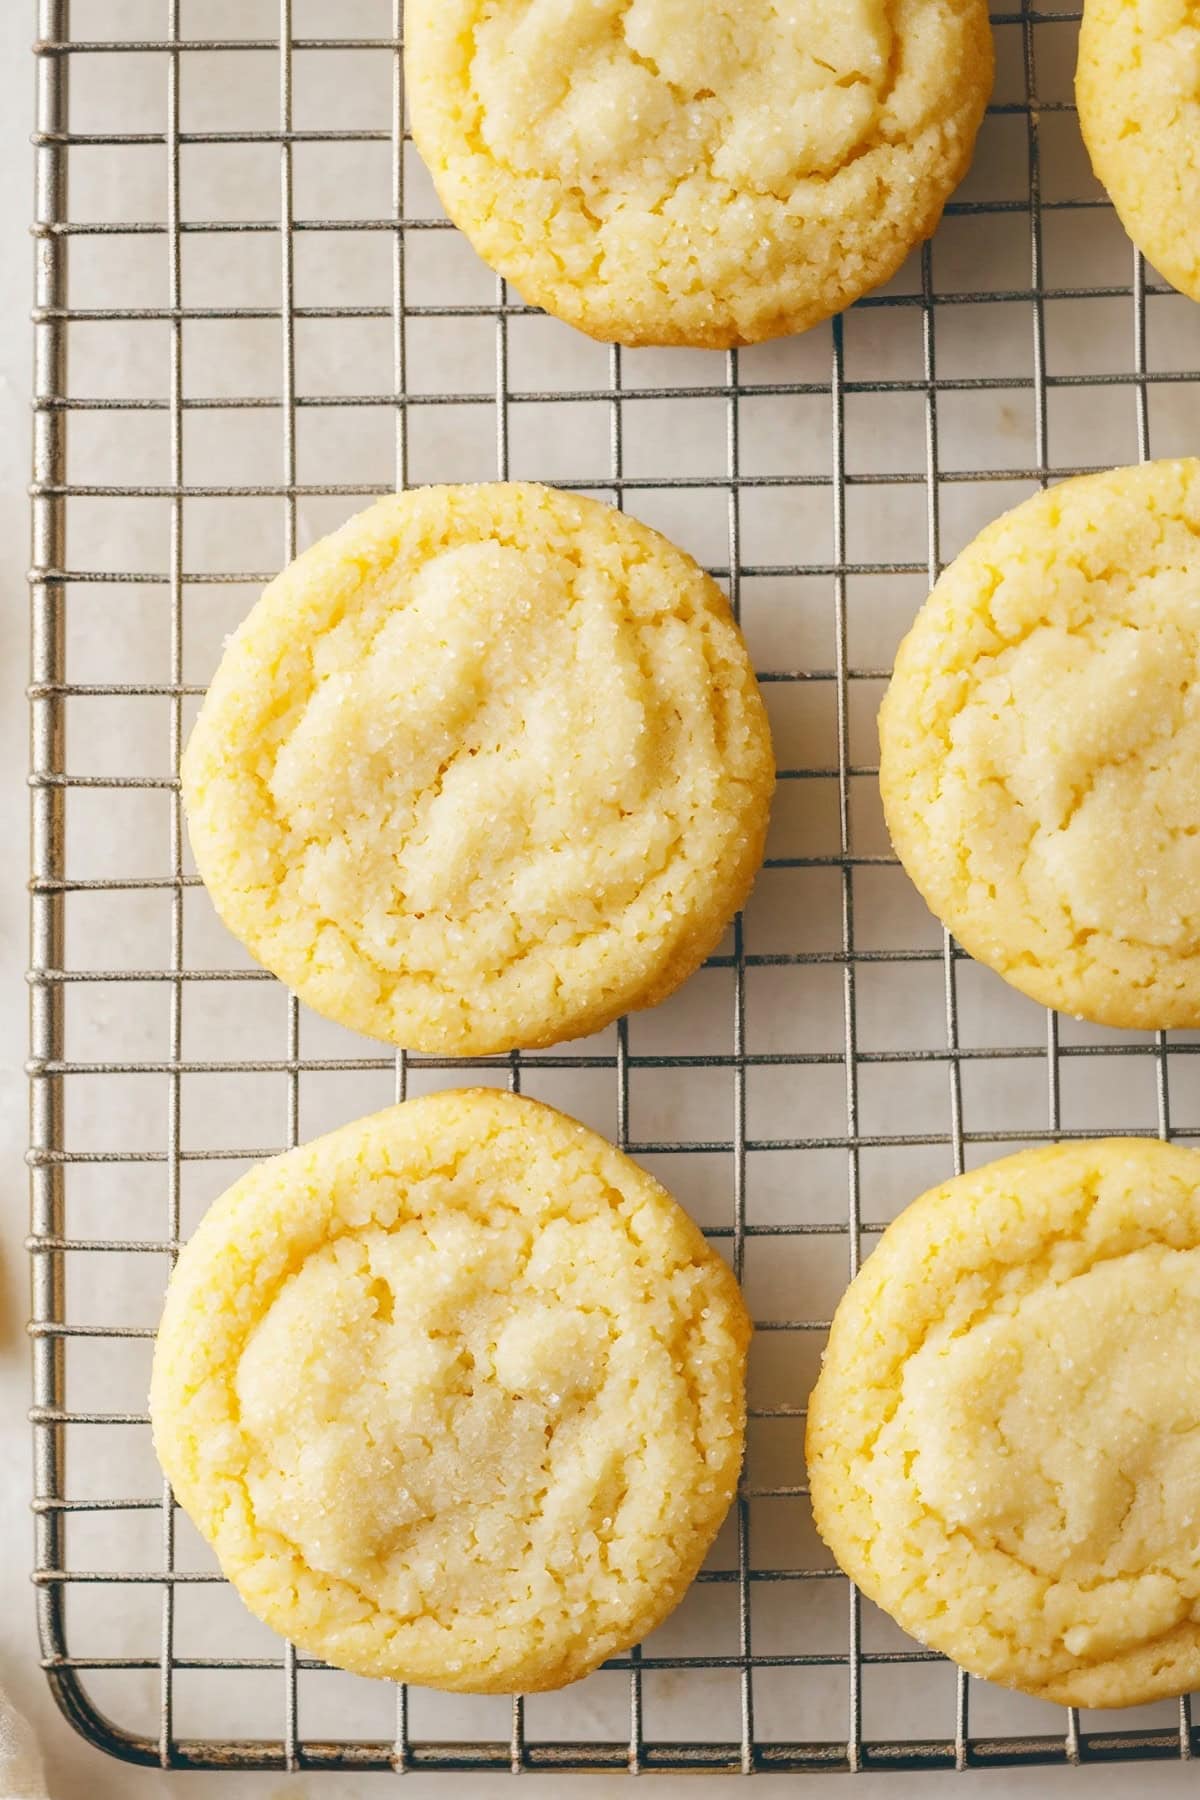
pixel 1041 747
pixel 1004 1443
pixel 1138 90
pixel 708 172
pixel 486 768
pixel 455 1393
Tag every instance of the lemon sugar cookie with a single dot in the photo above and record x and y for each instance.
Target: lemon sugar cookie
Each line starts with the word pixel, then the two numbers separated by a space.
pixel 1004 1442
pixel 1138 90
pixel 486 768
pixel 706 172
pixel 1040 747
pixel 455 1393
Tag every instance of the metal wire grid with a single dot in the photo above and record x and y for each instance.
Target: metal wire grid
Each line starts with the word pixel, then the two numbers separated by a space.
pixel 52 979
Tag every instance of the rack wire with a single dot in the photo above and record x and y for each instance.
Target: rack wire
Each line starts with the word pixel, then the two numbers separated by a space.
pixel 853 1053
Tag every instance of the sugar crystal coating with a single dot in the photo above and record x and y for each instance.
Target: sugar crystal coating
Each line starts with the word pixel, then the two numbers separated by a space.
pixel 485 768
pixel 1138 91
pixel 713 173
pixel 1040 745
pixel 455 1393
pixel 1004 1443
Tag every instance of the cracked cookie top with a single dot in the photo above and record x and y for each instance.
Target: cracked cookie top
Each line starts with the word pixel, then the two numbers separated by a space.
pixel 486 768
pixel 455 1393
pixel 1004 1442
pixel 662 171
pixel 1040 747
pixel 1138 90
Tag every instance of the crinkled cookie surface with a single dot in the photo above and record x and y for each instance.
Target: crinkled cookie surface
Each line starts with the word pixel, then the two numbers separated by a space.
pixel 712 173
pixel 485 768
pixel 455 1393
pixel 1041 747
pixel 1138 90
pixel 1004 1443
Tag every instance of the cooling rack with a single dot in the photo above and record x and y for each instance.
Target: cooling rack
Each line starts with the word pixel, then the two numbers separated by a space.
pixel 269 321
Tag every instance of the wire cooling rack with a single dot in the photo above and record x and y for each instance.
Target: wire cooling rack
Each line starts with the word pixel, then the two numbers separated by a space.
pixel 269 321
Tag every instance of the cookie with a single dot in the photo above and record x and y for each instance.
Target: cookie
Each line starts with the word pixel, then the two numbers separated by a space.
pixel 1004 1442
pixel 1040 747
pixel 455 1394
pixel 486 768
pixel 1138 90
pixel 712 173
